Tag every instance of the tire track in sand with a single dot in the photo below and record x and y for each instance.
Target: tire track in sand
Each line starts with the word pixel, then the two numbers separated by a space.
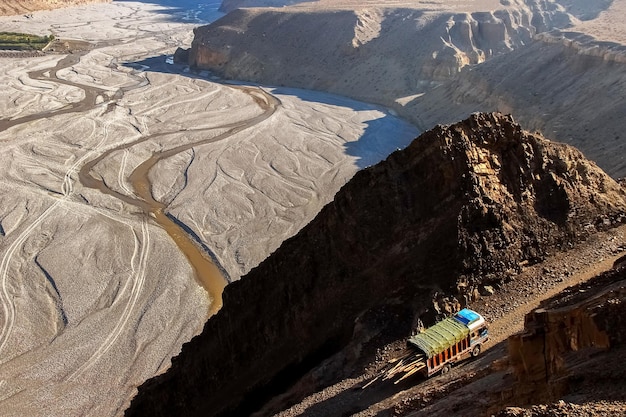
pixel 206 269
pixel 6 298
pixel 8 307
pixel 142 248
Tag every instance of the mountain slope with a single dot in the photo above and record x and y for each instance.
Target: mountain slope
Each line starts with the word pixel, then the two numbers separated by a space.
pixel 564 83
pixel 462 206
pixel 375 53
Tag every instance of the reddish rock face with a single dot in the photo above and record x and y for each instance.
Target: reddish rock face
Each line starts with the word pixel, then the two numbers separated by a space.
pixel 203 55
pixel 561 338
pixel 462 206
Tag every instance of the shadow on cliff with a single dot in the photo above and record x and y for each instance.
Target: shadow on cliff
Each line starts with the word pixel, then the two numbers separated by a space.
pixel 382 134
pixel 430 218
pixel 186 11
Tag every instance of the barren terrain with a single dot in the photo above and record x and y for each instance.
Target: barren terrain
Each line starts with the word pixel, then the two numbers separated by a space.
pixel 469 388
pixel 480 206
pixel 557 66
pixel 134 190
pixel 546 62
pixel 96 293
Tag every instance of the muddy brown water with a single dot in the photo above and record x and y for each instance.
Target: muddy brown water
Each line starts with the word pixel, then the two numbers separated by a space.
pixel 87 103
pixel 206 270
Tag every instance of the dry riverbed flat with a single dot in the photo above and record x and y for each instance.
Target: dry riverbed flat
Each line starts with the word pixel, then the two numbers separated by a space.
pixel 96 297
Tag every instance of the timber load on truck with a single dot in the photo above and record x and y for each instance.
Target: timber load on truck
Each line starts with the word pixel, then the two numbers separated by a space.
pixel 439 347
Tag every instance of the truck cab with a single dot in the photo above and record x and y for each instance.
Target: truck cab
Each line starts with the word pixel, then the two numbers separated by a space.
pixel 479 333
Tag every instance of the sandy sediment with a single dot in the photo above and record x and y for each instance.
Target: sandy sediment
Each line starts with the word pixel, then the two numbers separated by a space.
pixel 95 296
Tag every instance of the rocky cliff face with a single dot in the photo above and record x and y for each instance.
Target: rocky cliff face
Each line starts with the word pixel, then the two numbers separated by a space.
pixel 462 205
pixel 567 338
pixel 421 62
pixel 550 86
pixel 373 54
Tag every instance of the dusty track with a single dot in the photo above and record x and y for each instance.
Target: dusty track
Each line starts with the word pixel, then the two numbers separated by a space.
pixel 504 310
pixel 5 297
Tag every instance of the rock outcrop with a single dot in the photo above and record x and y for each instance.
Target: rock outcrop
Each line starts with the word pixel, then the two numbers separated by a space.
pixel 463 205
pixel 372 54
pixel 15 7
pixel 566 341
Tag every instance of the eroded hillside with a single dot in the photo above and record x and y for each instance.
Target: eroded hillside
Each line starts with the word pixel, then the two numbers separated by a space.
pixel 376 52
pixel 436 62
pixel 564 84
pixel 462 206
pixel 567 339
pixel 15 7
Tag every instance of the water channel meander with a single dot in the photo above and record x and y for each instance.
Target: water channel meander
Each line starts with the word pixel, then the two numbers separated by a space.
pixel 207 272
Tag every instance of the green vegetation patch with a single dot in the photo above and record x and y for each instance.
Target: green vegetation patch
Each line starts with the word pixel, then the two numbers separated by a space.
pixel 23 41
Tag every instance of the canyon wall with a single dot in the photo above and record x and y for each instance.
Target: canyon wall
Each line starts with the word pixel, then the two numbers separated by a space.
pixel 437 67
pixel 567 336
pixel 372 54
pixel 564 84
pixel 462 205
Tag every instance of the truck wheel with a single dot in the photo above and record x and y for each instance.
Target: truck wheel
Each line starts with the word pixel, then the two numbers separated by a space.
pixel 445 369
pixel 476 351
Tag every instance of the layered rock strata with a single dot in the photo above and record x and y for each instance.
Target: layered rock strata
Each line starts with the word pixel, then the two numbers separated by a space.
pixel 567 337
pixel 563 83
pixel 371 54
pixel 462 205
pixel 435 65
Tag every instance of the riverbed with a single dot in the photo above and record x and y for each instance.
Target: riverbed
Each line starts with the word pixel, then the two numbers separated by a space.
pixel 114 161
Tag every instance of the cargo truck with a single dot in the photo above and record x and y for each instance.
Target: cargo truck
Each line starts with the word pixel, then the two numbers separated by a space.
pixel 437 348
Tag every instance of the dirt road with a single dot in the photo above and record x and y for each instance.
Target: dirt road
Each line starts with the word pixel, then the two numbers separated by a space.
pixel 505 311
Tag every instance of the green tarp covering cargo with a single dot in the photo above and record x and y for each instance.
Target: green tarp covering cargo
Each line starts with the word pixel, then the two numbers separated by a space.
pixel 439 347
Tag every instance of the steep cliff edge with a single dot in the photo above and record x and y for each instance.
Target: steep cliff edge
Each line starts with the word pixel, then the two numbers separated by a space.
pixel 462 205
pixel 375 53
pixel 571 345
